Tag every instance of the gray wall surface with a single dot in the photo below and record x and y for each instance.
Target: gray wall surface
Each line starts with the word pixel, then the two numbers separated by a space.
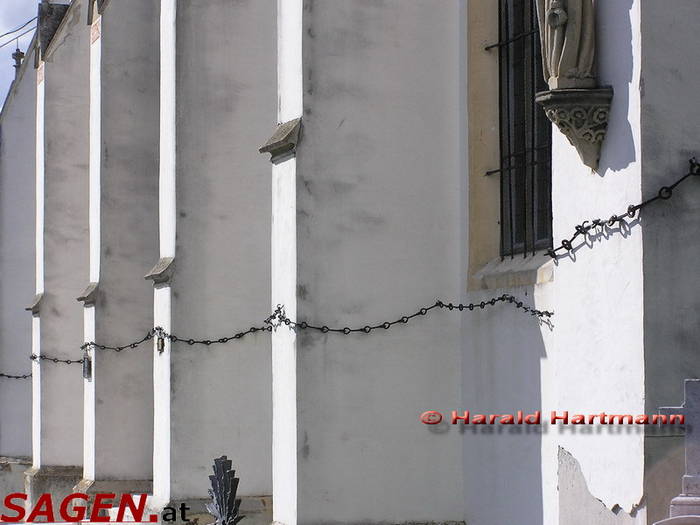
pixel 65 238
pixel 670 116
pixel 17 253
pixel 503 351
pixel 221 395
pixel 129 244
pixel 380 232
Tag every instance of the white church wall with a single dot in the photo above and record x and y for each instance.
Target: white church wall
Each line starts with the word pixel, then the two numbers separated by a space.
pixel 508 475
pixel 226 98
pixel 380 232
pixel 129 238
pixel 598 302
pixel 17 252
pixel 669 138
pixel 591 360
pixel 65 237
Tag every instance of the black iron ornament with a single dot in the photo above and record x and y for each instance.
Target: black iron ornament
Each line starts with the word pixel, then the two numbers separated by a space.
pixel 87 366
pixel 224 484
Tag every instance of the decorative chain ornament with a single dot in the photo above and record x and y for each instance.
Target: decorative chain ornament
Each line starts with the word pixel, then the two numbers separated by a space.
pixel 664 193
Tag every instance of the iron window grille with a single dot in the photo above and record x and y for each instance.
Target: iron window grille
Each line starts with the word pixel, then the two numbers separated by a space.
pixel 525 134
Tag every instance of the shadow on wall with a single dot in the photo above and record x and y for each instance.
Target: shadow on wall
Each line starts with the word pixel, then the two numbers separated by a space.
pixel 596 236
pixel 615 68
pixel 503 353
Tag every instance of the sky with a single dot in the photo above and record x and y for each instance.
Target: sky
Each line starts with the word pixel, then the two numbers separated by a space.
pixel 13 13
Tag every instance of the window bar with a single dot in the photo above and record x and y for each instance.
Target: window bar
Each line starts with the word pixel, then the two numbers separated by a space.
pixel 533 130
pixel 501 170
pixel 500 123
pixel 526 151
pixel 544 128
pixel 527 111
pixel 509 128
pixel 509 41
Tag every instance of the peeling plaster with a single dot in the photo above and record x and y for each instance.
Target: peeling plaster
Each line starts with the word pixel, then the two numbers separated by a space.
pixel 577 506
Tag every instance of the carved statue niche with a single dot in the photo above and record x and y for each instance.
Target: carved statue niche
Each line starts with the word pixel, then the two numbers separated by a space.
pixel 567 33
pixel 574 102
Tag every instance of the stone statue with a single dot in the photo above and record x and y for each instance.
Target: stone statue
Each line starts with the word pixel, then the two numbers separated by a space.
pixel 567 32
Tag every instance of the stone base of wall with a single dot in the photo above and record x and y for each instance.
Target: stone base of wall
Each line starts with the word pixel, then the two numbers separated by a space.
pixel 112 486
pixel 57 481
pixel 12 474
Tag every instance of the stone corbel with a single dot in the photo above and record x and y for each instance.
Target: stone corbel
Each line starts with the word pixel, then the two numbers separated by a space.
pixel 575 103
pixel 89 295
pixel 36 304
pixel 582 116
pixel 283 142
pixel 162 272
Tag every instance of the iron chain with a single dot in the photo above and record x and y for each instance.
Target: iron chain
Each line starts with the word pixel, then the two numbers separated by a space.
pixel 9 376
pixel 279 318
pixel 282 318
pixel 664 193
pixel 35 357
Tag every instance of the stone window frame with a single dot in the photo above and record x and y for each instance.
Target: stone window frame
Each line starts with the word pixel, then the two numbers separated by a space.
pixel 487 269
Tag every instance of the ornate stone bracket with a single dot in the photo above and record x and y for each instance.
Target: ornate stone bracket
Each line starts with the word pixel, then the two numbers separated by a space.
pixel 582 115
pixel 575 103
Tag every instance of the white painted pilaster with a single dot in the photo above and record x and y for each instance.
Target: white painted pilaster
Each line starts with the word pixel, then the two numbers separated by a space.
pixel 284 380
pixel 161 401
pixel 95 145
pixel 89 399
pixel 284 269
pixel 36 394
pixel 36 322
pixel 167 218
pixel 168 78
pixel 40 153
pixel 94 224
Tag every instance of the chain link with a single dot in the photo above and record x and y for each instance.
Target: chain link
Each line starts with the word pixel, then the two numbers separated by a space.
pixel 9 376
pixel 282 318
pixel 279 318
pixel 664 193
pixel 35 357
pixel 149 335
